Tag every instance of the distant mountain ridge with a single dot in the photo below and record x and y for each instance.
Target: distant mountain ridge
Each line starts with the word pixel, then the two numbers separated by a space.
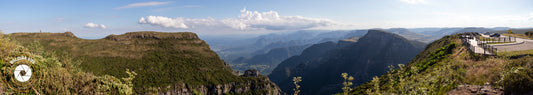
pixel 269 50
pixel 320 65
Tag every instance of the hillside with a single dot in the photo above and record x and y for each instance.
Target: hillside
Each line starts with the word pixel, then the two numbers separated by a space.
pixel 447 67
pixel 412 35
pixel 265 63
pixel 271 49
pixel 516 31
pixel 55 75
pixel 321 64
pixel 172 63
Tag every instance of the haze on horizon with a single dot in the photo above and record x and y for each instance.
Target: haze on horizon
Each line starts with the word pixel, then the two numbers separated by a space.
pixel 98 18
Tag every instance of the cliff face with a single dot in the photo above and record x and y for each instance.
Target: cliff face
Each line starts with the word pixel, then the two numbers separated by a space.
pixel 250 87
pixel 173 63
pixel 152 35
pixel 321 68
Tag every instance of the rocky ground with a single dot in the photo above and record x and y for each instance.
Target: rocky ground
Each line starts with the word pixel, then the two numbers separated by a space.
pixel 476 90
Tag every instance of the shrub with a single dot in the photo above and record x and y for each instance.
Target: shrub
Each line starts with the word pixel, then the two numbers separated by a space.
pixel 347 83
pixel 520 81
pixel 297 87
pixel 529 33
pixel 436 56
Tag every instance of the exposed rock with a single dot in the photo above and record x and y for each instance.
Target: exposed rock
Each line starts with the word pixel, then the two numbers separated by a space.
pixel 152 35
pixel 69 34
pixel 236 88
pixel 476 90
pixel 251 72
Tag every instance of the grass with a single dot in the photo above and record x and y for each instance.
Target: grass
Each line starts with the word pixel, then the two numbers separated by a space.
pixel 519 36
pixel 481 38
pixel 500 43
pixel 515 53
pixel 436 71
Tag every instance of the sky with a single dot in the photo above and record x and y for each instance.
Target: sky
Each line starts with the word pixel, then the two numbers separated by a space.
pixel 98 18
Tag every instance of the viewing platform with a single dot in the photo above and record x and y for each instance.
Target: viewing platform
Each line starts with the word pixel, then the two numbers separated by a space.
pixel 487 45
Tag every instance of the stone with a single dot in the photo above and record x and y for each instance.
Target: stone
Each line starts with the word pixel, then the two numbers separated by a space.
pixel 251 72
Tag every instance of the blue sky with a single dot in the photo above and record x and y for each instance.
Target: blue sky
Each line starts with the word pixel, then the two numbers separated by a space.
pixel 98 18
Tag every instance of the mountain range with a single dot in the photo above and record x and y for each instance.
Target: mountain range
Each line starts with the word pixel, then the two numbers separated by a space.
pixel 321 64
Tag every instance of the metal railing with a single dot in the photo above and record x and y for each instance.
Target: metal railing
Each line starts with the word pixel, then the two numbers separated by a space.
pixel 499 39
pixel 488 49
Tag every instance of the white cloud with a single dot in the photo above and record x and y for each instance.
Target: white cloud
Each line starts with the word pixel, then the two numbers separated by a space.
pixel 248 20
pixel 93 25
pixel 153 3
pixel 164 21
pixel 530 18
pixel 415 1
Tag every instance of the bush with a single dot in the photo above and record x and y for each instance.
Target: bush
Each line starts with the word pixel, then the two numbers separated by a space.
pixel 529 33
pixel 436 56
pixel 520 81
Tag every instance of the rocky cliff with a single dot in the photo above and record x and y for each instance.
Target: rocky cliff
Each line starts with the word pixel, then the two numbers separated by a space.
pixel 152 35
pixel 321 65
pixel 250 87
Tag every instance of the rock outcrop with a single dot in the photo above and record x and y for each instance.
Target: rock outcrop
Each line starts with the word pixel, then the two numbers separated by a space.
pixel 476 90
pixel 250 87
pixel 152 35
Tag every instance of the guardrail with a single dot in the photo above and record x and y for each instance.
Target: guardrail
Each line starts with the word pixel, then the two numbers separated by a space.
pixel 488 49
pixel 466 42
pixel 499 39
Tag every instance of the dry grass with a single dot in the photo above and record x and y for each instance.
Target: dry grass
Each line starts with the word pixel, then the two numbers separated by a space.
pixel 519 36
pixel 515 53
pixel 481 72
pixel 481 38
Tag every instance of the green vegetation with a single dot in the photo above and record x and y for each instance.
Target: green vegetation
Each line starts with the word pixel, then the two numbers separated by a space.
pixel 519 81
pixel 529 34
pixel 481 38
pixel 61 76
pixel 160 60
pixel 436 56
pixel 500 43
pixel 296 80
pixel 524 36
pixel 446 63
pixel 515 53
